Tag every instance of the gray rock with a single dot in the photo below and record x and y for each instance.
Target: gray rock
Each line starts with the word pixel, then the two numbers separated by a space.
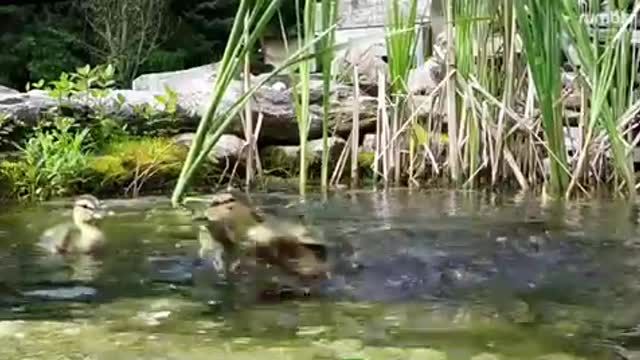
pixel 25 107
pixel 194 87
pixel 288 157
pixel 194 79
pixel 72 293
pixel 7 91
pixel 227 148
pixel 29 107
pixel 426 78
pixel 369 60
pixel 368 143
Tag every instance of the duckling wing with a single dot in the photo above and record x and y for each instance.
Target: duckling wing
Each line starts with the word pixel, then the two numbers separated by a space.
pixel 57 238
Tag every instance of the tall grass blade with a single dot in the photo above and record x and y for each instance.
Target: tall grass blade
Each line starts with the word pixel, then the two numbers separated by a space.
pixel 542 49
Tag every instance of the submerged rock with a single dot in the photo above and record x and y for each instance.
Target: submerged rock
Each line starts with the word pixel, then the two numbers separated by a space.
pixel 71 293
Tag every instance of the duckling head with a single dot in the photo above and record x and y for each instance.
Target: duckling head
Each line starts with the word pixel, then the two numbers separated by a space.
pixel 87 209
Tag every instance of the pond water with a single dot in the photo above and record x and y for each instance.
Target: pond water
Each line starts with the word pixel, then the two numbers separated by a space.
pixel 514 279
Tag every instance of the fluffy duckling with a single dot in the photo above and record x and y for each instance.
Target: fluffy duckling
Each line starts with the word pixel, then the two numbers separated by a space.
pixel 80 236
pixel 242 229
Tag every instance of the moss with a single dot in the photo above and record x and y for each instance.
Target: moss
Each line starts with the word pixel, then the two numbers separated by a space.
pixel 365 159
pixel 108 165
pixel 151 161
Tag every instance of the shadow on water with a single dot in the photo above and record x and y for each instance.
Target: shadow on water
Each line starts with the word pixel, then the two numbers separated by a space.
pixel 464 273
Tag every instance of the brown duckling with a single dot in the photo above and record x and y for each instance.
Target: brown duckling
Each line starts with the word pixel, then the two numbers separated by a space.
pixel 243 230
pixel 81 235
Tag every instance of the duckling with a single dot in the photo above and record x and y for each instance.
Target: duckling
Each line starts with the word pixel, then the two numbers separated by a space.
pixel 80 236
pixel 243 230
pixel 291 246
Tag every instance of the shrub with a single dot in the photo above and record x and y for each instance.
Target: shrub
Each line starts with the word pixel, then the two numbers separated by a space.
pixel 54 163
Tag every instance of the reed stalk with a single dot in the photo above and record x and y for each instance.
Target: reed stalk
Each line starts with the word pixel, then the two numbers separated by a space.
pixel 401 51
pixel 543 54
pixel 474 52
pixel 355 127
pixel 248 120
pixel 452 114
pixel 213 123
pixel 329 14
pixel 601 64
pixel 306 34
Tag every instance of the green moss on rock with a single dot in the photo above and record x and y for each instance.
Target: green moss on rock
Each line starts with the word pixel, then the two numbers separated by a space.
pixel 144 160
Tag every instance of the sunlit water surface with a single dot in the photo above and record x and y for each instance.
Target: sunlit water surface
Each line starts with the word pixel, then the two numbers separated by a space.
pixel 535 281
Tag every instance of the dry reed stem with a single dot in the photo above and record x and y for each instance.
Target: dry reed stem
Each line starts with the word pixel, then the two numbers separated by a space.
pixel 355 128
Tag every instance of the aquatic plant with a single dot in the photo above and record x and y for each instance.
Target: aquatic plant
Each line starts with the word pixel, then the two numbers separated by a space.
pixel 53 163
pixel 329 15
pixel 604 63
pixel 400 41
pixel 543 54
pixel 306 34
pixel 213 124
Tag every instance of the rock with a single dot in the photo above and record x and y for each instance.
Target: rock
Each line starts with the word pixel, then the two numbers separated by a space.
pixel 25 107
pixel 368 143
pixel 198 78
pixel 73 293
pixel 287 157
pixel 274 102
pixel 370 60
pixel 193 87
pixel 486 356
pixel 559 356
pixel 385 353
pixel 342 116
pixel 227 149
pixel 347 348
pixel 28 108
pixel 427 354
pixel 7 91
pixel 426 78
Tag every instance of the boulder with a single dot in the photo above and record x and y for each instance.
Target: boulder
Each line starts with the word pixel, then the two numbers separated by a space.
pixel 368 143
pixel 426 78
pixel 7 91
pixel 193 79
pixel 29 107
pixel 228 147
pixel 287 158
pixel 342 115
pixel 370 60
pixel 273 102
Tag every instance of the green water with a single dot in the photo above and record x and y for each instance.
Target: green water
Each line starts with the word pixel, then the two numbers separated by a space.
pixel 140 302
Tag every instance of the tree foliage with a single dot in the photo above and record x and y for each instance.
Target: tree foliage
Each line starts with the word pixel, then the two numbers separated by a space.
pixel 49 38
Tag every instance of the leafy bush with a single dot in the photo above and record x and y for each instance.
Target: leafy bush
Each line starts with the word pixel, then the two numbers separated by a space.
pixel 54 163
